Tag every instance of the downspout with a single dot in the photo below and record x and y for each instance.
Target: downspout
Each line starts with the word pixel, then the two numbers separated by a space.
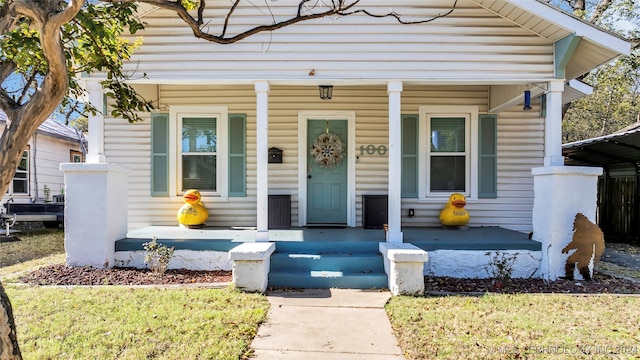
pixel 35 171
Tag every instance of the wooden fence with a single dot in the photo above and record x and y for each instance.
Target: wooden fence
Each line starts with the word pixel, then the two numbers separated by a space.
pixel 618 213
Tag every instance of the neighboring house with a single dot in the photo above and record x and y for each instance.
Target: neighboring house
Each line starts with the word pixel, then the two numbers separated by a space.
pixel 421 111
pixel 619 187
pixel 52 144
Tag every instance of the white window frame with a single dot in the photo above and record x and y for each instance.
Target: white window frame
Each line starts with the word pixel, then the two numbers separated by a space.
pixel 221 113
pixel 28 178
pixel 470 114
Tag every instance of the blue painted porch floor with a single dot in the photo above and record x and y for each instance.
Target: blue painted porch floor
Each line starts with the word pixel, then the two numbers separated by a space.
pixel 427 238
pixel 329 257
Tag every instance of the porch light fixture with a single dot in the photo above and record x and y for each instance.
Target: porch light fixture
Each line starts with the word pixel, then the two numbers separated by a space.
pixel 326 91
pixel 527 99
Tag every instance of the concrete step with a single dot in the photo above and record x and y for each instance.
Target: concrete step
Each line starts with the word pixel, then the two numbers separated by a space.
pixel 359 263
pixel 327 279
pixel 354 265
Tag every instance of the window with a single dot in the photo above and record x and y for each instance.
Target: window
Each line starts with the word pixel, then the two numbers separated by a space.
pixel 448 154
pixel 199 153
pixel 76 156
pixel 20 182
pixel 207 150
pixel 446 160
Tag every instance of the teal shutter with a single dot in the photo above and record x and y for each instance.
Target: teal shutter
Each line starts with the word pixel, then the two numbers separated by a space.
pixel 237 155
pixel 487 162
pixel 409 156
pixel 159 154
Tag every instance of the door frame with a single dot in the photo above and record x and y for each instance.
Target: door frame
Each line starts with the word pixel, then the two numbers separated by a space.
pixel 303 118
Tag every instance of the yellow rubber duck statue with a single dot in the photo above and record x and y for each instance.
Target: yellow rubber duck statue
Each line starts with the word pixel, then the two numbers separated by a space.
pixel 192 213
pixel 454 213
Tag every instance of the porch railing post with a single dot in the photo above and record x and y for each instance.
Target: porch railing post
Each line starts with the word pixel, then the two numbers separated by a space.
pixel 262 159
pixel 394 234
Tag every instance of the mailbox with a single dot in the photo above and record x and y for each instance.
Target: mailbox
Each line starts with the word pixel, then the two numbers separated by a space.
pixel 275 155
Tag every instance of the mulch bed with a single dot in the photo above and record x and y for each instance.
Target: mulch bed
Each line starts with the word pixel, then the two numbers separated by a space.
pixel 62 275
pixel 601 284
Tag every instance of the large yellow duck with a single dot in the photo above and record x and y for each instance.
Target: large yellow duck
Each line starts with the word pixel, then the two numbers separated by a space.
pixel 454 213
pixel 192 213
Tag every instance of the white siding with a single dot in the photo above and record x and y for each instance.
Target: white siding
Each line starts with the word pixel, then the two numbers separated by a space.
pixel 46 153
pixel 471 44
pixel 520 147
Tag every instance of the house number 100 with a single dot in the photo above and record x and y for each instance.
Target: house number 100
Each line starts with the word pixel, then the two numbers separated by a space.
pixel 372 149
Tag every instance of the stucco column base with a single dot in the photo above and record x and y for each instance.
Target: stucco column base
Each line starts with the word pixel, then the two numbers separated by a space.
pixel 404 265
pixel 560 192
pixel 95 212
pixel 251 265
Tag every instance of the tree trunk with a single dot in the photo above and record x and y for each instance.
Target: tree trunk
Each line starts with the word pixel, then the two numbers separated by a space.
pixel 9 349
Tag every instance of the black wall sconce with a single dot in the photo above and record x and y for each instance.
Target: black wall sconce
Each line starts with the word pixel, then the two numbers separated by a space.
pixel 326 91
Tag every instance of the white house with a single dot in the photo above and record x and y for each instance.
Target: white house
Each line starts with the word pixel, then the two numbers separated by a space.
pixel 52 144
pixel 421 111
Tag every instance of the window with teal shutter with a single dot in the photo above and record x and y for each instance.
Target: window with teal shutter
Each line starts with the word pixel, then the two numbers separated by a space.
pixel 237 155
pixel 487 162
pixel 159 154
pixel 409 156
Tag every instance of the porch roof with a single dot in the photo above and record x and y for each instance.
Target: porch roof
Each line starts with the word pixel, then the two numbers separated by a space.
pixel 620 150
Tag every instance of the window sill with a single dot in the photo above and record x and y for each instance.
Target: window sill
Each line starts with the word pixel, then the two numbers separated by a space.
pixel 444 198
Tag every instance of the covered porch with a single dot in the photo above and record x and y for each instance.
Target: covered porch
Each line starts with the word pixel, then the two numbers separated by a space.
pixel 350 257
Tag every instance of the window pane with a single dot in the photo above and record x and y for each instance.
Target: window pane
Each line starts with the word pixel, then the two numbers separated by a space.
pixel 24 162
pixel 447 135
pixel 447 173
pixel 199 172
pixel 19 186
pixel 199 135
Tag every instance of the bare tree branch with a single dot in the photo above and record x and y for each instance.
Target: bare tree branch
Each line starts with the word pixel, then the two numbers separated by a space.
pixel 599 11
pixel 336 7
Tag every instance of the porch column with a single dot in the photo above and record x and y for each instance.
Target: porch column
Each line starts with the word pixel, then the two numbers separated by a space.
pixel 394 234
pixel 560 192
pixel 553 125
pixel 262 159
pixel 95 139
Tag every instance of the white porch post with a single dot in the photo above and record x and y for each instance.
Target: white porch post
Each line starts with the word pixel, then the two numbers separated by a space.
pixel 553 125
pixel 560 192
pixel 95 153
pixel 394 234
pixel 262 159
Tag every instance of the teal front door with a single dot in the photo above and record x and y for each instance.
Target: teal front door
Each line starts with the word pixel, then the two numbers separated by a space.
pixel 326 186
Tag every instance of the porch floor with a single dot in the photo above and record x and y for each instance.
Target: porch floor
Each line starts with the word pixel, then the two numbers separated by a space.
pixel 427 238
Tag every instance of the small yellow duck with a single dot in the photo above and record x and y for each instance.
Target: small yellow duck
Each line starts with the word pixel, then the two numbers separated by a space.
pixel 454 213
pixel 192 213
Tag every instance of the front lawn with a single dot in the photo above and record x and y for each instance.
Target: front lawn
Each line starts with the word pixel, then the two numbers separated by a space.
pixel 33 244
pixel 517 326
pixel 135 323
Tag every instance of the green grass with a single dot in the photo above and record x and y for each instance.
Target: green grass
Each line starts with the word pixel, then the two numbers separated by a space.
pixel 135 323
pixel 33 244
pixel 517 326
pixel 120 322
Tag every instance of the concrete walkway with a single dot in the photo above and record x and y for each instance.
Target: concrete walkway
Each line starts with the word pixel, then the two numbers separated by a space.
pixel 340 324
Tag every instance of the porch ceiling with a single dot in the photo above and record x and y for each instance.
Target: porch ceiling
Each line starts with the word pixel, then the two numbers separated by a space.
pixel 598 46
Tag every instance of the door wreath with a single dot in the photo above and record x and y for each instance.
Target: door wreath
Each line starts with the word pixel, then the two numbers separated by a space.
pixel 327 150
